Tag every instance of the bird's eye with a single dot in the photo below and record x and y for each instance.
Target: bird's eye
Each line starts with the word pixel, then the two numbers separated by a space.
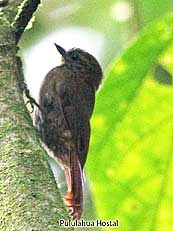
pixel 74 56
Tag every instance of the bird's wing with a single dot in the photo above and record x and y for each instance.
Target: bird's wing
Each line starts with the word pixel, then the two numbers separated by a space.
pixel 74 108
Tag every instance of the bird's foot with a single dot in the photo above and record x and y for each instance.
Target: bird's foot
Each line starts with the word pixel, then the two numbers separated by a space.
pixel 31 100
pixel 75 210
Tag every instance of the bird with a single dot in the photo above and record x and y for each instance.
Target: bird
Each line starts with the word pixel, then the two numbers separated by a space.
pixel 66 102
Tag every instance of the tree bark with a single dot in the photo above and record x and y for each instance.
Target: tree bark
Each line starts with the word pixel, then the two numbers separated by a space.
pixel 29 198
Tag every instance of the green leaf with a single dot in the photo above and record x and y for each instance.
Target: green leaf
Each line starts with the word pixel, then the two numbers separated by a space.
pixel 131 145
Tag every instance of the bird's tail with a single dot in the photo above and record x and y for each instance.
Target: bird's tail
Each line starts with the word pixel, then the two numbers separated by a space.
pixel 74 177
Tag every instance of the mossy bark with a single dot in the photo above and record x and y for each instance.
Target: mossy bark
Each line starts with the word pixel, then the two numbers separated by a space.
pixel 29 198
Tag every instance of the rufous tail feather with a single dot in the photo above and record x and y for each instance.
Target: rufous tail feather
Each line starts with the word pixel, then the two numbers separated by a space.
pixel 74 178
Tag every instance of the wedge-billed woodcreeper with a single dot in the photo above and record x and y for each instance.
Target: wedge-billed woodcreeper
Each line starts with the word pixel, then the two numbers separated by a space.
pixel 66 102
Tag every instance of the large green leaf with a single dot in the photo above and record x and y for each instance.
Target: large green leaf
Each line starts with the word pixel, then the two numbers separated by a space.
pixel 132 138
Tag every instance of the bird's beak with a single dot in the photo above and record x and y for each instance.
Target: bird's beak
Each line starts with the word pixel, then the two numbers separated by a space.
pixel 61 50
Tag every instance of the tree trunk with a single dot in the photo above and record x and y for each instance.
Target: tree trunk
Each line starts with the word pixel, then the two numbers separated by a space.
pixel 29 198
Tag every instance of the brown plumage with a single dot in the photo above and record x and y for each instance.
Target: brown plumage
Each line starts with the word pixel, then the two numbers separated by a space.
pixel 66 99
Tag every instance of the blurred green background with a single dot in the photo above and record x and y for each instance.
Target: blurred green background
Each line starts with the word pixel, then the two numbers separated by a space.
pixel 129 171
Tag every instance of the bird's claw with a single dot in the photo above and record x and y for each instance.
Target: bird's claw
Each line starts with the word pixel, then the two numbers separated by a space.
pixel 31 100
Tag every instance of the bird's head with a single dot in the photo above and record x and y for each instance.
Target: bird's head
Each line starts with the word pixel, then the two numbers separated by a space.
pixel 82 63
